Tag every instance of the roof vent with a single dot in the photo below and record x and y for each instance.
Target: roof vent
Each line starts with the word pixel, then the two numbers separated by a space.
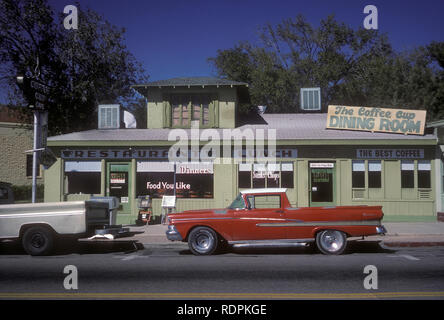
pixel 109 116
pixel 261 109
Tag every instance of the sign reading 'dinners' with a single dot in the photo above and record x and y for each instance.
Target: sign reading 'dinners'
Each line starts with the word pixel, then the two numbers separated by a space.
pixel 376 119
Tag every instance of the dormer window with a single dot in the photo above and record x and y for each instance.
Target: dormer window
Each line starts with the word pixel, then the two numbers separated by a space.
pixel 190 107
pixel 311 99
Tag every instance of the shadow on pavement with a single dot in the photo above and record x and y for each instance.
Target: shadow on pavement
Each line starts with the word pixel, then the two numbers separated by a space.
pixel 77 247
pixel 354 246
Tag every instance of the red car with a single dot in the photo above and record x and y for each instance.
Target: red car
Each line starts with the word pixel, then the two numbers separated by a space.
pixel 260 217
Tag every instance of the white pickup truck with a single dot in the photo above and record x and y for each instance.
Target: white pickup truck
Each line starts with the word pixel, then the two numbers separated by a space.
pixel 40 225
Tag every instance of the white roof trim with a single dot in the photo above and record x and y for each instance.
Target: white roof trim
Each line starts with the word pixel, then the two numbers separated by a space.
pixel 265 190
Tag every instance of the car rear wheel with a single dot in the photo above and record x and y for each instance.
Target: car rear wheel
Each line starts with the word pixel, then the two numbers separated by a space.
pixel 38 241
pixel 331 241
pixel 202 241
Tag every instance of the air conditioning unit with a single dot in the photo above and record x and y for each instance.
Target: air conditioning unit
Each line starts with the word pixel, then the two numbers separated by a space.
pixel 311 99
pixel 109 116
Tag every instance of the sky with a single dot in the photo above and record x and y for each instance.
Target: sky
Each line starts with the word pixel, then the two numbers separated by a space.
pixel 175 38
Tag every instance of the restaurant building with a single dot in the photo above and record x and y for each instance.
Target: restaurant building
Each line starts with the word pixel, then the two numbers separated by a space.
pixel 318 166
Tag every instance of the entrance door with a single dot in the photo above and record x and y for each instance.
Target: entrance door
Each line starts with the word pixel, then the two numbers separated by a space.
pixel 119 184
pixel 322 184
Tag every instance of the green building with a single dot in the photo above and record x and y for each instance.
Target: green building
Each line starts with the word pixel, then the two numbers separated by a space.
pixel 318 166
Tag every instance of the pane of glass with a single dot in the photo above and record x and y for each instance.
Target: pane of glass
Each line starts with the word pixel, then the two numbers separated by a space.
pixel 407 165
pixel 83 182
pixel 206 114
pixel 374 179
pixel 185 114
pixel 358 179
pixel 156 184
pixel 424 179
pixel 310 100
pixel 287 180
pixel 316 100
pixel 358 165
pixel 259 179
pixel 176 114
pixel 244 179
pixel 321 185
pixel 374 165
pixel 196 101
pixel 407 179
pixel 273 179
pixel 267 202
pixel 424 165
pixel 305 97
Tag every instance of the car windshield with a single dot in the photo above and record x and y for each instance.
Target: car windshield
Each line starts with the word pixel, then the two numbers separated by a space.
pixel 238 203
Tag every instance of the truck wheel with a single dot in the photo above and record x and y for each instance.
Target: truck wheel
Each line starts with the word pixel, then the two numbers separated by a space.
pixel 202 241
pixel 331 241
pixel 38 241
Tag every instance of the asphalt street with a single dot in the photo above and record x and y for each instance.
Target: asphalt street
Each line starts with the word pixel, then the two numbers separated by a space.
pixel 170 271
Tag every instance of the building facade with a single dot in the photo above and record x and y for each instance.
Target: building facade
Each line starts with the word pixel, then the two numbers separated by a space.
pixel 198 145
pixel 16 137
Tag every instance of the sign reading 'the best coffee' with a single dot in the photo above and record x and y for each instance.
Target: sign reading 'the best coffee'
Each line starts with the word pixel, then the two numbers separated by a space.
pixel 376 119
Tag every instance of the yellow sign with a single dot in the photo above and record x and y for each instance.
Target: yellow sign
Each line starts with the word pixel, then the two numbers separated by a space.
pixel 376 119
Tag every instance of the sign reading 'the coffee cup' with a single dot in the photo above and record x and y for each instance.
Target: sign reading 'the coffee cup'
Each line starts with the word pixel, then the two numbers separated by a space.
pixel 376 119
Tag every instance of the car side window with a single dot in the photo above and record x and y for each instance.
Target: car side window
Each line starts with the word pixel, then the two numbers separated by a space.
pixel 250 201
pixel 3 193
pixel 264 202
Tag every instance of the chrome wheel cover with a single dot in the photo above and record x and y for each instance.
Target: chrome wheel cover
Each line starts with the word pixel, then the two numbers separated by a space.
pixel 332 240
pixel 203 241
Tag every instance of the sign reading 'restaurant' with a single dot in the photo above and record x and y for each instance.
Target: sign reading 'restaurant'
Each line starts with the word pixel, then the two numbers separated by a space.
pixel 376 119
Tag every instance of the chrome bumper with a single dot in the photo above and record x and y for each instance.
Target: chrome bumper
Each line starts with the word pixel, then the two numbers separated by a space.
pixel 381 230
pixel 172 234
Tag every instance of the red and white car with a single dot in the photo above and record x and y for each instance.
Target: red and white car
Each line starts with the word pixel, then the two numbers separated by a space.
pixel 265 217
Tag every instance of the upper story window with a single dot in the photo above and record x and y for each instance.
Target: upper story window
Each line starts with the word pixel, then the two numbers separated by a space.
pixel 190 107
pixel 311 99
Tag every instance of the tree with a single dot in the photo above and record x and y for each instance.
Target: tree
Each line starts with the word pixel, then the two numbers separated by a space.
pixel 294 54
pixel 84 67
pixel 436 52
pixel 352 67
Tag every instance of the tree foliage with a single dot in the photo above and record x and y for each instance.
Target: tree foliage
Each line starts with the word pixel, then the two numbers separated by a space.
pixel 352 67
pixel 84 67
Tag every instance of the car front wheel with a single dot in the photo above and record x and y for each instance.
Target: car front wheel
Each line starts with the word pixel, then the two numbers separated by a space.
pixel 202 241
pixel 331 241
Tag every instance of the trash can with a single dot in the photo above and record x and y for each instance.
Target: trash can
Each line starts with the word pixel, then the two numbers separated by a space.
pixel 113 205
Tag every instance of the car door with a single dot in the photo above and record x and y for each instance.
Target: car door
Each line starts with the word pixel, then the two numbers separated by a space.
pixel 263 219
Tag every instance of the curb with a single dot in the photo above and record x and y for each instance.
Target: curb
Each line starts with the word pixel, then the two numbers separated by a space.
pixel 413 244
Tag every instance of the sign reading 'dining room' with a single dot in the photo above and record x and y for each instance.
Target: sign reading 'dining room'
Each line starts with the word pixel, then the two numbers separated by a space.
pixel 376 119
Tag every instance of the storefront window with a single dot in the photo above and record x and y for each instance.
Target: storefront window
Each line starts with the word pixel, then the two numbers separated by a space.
pixel 193 180
pixel 244 175
pixel 287 175
pixel 407 174
pixel 260 175
pixel 358 174
pixel 83 177
pixel 273 176
pixel 424 176
pixel 374 174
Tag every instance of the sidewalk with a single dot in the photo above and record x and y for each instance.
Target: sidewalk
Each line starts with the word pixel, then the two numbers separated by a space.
pixel 399 234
